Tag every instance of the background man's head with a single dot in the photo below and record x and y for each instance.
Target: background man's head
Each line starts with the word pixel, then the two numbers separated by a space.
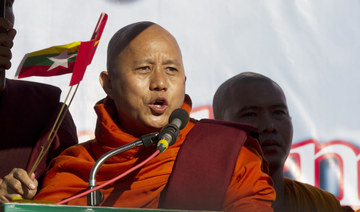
pixel 145 76
pixel 257 100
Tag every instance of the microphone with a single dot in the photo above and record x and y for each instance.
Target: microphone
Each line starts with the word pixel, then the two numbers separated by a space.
pixel 168 134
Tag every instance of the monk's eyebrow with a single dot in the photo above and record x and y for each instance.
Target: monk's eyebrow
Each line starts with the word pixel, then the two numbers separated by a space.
pixel 171 62
pixel 282 106
pixel 143 61
pixel 150 61
pixel 246 108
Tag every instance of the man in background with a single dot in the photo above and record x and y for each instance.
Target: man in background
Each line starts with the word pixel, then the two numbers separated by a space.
pixel 257 100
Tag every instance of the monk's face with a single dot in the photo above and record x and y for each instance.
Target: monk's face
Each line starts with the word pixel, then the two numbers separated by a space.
pixel 149 82
pixel 263 105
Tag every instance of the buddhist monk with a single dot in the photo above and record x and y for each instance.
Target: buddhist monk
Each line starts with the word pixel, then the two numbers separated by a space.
pixel 257 100
pixel 145 83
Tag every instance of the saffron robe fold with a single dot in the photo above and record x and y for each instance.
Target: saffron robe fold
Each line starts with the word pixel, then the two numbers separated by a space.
pixel 249 189
pixel 205 164
pixel 301 197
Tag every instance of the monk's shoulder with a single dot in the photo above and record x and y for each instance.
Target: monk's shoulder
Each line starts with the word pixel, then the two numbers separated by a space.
pixel 311 194
pixel 307 188
pixel 79 151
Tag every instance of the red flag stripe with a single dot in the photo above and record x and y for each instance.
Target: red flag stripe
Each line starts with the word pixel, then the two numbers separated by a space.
pixel 41 70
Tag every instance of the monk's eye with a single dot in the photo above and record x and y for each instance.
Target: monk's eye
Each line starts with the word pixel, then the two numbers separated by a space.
pixel 249 114
pixel 280 114
pixel 171 70
pixel 143 69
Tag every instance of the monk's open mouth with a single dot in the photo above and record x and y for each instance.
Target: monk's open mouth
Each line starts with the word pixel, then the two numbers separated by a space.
pixel 158 106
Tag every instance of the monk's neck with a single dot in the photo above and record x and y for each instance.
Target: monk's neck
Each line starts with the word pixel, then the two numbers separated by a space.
pixel 279 186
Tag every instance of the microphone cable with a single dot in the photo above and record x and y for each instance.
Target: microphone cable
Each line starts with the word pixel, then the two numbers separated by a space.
pixel 157 152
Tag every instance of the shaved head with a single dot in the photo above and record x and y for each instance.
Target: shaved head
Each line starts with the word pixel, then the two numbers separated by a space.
pixel 223 93
pixel 121 39
pixel 145 77
pixel 257 100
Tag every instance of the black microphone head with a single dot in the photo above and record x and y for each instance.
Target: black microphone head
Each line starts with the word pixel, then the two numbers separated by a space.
pixel 180 114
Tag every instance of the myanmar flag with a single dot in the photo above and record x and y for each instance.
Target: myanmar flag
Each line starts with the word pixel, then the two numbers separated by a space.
pixel 57 60
pixel 52 61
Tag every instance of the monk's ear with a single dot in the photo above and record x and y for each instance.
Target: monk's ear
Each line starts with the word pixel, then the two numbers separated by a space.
pixel 105 82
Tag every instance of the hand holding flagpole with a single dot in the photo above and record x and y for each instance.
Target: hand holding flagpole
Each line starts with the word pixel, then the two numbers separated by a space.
pixel 57 60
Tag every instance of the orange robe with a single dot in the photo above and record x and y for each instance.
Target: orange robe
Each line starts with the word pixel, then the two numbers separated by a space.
pixel 249 189
pixel 304 197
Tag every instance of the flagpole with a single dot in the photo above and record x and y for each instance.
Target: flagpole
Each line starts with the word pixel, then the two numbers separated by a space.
pixel 46 146
pixel 85 54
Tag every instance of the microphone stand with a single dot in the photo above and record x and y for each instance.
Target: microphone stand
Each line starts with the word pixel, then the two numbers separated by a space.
pixel 96 197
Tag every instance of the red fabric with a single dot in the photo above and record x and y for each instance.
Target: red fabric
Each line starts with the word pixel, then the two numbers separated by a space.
pixel 87 51
pixel 204 166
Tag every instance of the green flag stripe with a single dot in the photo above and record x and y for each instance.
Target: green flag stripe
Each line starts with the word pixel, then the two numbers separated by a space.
pixel 43 60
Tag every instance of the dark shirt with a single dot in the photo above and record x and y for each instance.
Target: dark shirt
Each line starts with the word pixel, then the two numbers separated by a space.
pixel 27 112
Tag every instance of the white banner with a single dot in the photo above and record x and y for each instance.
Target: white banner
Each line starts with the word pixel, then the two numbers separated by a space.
pixel 310 48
